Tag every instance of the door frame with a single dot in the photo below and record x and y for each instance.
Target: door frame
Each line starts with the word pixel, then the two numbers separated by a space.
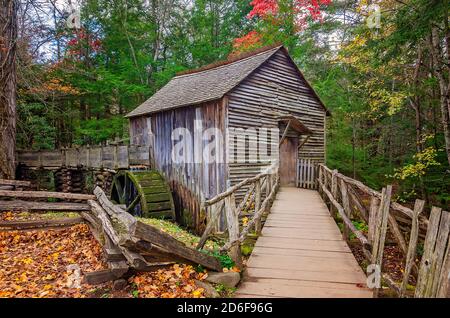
pixel 298 129
pixel 295 142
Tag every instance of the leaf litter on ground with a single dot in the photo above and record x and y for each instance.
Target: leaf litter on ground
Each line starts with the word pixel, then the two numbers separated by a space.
pixel 35 263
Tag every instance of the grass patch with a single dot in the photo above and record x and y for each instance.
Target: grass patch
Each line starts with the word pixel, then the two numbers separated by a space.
pixel 225 259
pixel 179 233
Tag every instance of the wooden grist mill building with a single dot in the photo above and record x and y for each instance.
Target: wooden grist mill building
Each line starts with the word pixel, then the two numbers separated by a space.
pixel 260 94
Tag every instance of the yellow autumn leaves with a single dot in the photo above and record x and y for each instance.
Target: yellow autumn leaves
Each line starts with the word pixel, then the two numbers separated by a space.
pixel 423 161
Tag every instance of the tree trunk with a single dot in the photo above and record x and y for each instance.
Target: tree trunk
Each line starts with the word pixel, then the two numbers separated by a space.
pixel 415 104
pixel 8 83
pixel 441 71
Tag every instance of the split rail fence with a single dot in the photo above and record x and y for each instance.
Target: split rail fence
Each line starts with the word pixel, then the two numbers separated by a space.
pixel 128 244
pixel 348 198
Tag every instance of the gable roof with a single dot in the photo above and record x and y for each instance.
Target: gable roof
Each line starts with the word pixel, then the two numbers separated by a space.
pixel 206 84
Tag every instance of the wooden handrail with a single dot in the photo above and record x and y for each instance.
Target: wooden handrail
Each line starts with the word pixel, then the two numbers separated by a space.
pixel 240 185
pixel 270 179
pixel 364 241
pixel 394 205
pixel 258 214
pixel 380 218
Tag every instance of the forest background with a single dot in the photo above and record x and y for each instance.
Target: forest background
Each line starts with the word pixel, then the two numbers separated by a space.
pixel 380 67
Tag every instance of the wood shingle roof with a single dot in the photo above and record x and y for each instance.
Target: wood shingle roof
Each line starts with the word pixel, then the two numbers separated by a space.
pixel 203 86
pixel 210 83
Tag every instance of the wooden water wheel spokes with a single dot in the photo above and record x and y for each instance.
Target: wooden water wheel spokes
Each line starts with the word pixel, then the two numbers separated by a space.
pixel 144 193
pixel 118 189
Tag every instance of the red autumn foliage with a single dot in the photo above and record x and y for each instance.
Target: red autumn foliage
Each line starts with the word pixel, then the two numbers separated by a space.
pixel 262 8
pixel 248 41
pixel 265 9
pixel 82 40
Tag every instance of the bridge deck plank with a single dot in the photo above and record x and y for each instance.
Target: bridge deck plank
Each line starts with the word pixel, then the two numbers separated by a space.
pixel 301 253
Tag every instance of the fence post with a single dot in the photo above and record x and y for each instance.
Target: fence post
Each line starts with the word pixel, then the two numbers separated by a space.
pixel 373 217
pixel 346 206
pixel 430 241
pixel 444 284
pixel 268 185
pixel 434 269
pixel 258 205
pixel 441 250
pixel 334 191
pixel 233 230
pixel 320 180
pixel 414 235
pixel 380 230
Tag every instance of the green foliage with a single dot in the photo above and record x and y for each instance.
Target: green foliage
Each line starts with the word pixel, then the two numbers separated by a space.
pixel 199 269
pixel 34 129
pixel 224 291
pixel 123 54
pixel 246 249
pixel 225 259
pixel 97 131
pixel 420 249
pixel 361 226
pixel 126 51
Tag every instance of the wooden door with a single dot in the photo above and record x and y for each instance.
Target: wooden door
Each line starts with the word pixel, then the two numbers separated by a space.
pixel 288 162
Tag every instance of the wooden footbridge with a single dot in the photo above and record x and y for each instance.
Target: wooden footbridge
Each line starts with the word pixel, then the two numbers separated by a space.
pixel 302 253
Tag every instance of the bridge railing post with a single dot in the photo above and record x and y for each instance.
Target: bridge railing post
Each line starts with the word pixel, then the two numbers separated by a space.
pixel 258 205
pixel 334 191
pixel 233 229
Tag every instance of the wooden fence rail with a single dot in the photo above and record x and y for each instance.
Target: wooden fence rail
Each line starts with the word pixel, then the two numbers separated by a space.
pixel 350 199
pixel 128 244
pixel 13 184
pixel 95 157
pixel 261 192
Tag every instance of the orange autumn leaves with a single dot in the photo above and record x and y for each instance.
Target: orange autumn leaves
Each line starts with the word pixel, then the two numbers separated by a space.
pixel 34 264
pixel 54 86
pixel 176 282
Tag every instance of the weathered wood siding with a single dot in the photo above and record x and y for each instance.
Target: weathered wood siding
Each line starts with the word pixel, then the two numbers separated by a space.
pixel 275 87
pixel 191 177
pixel 140 131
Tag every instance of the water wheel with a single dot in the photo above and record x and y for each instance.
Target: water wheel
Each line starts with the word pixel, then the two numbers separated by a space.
pixel 144 193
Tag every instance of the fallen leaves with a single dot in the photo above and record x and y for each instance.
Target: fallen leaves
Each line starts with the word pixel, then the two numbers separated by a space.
pixel 34 263
pixel 234 269
pixel 175 282
pixel 7 216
